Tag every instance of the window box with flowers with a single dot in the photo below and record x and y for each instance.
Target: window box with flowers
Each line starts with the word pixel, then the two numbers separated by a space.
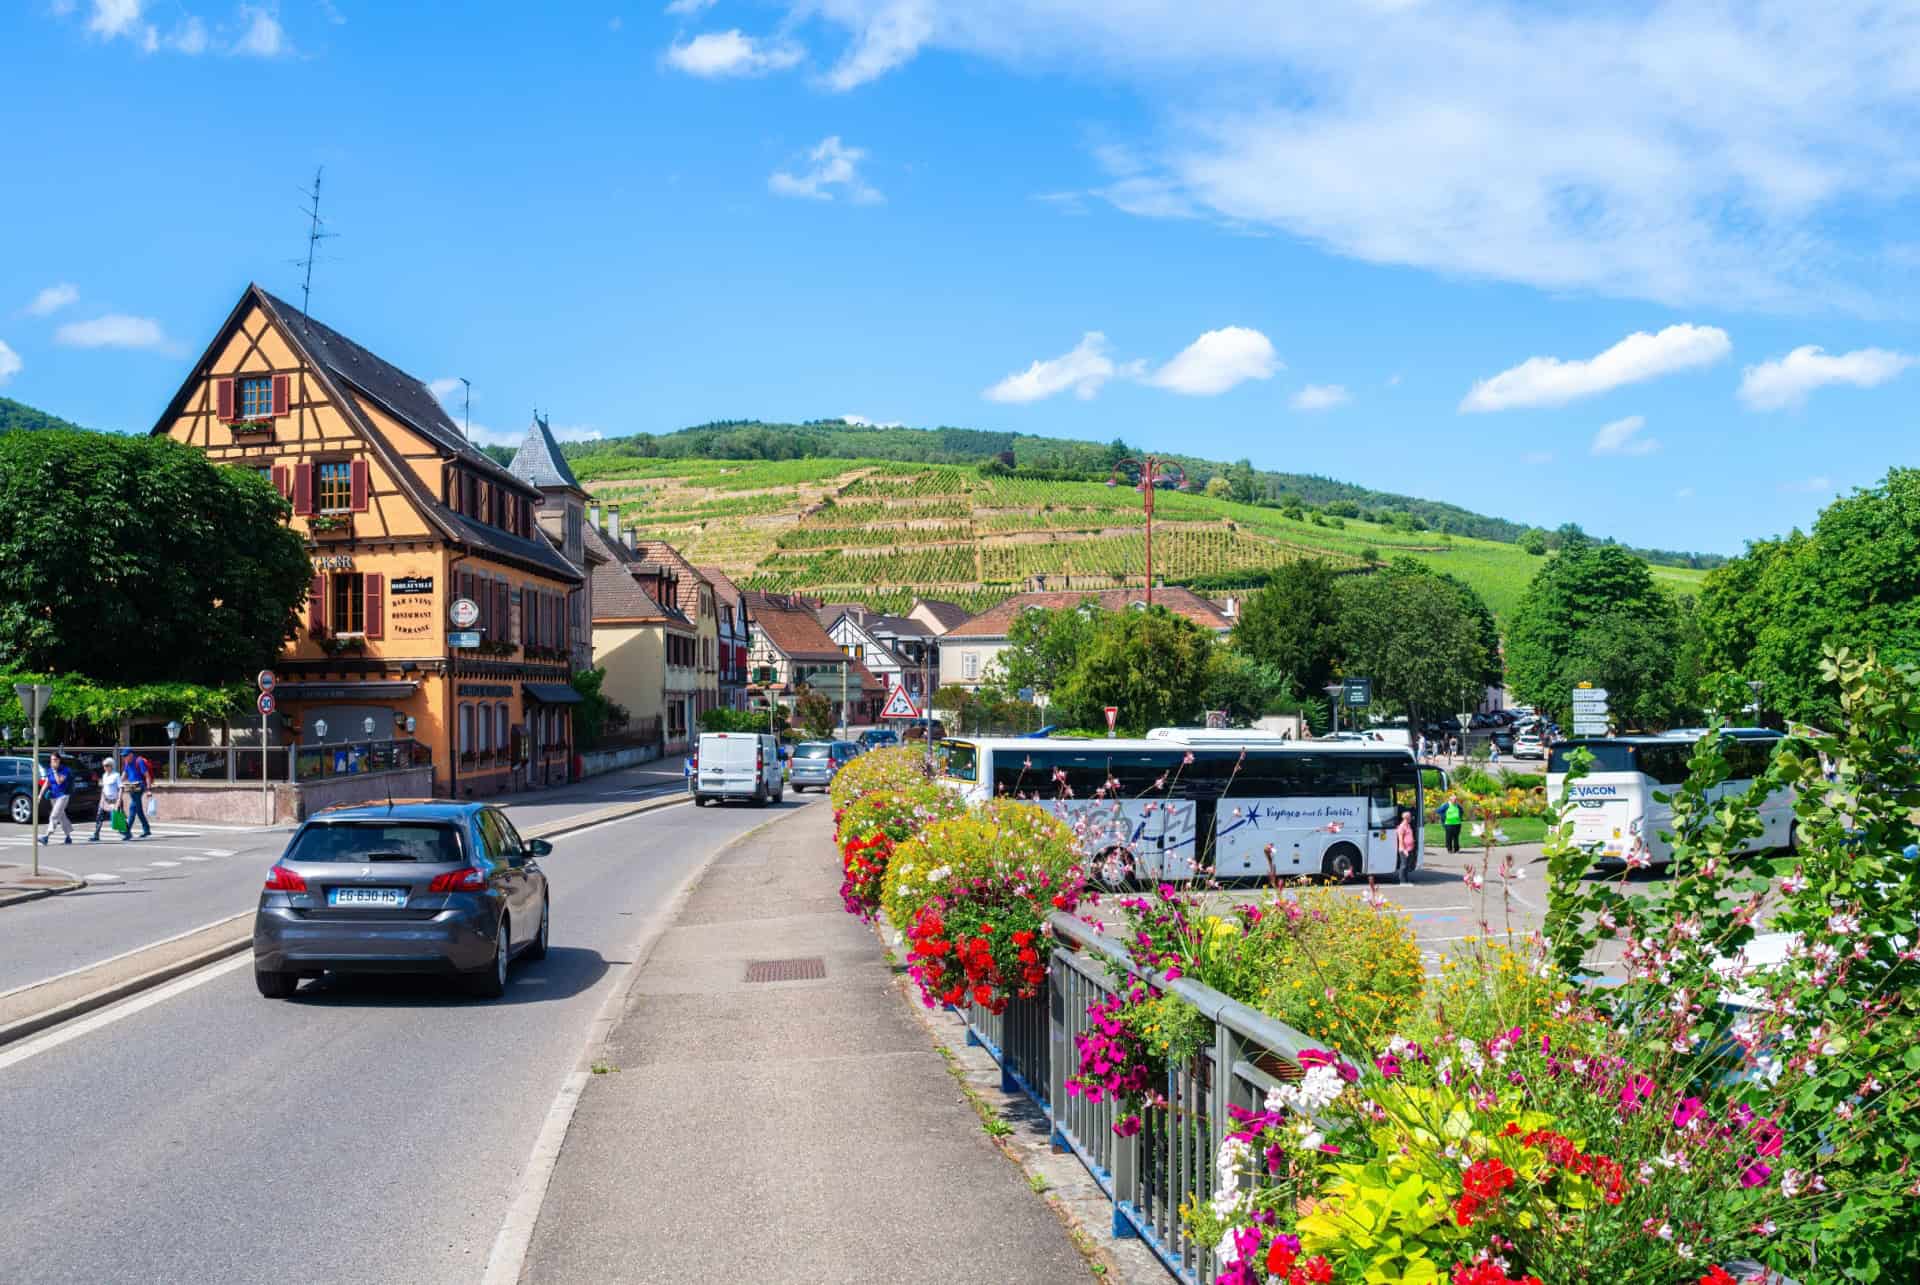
pixel 330 524
pixel 251 428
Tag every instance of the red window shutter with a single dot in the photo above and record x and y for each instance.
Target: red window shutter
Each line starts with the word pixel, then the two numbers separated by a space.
pixel 374 589
pixel 303 489
pixel 282 394
pixel 223 399
pixel 506 610
pixel 358 479
pixel 317 605
pixel 280 479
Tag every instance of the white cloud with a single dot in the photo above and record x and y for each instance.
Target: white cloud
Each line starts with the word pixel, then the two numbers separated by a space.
pixel 264 37
pixel 1549 381
pixel 731 53
pixel 1569 147
pixel 888 35
pixel 115 330
pixel 444 387
pixel 9 362
pixel 1218 360
pixel 1786 381
pixel 575 433
pixel 1810 486
pixel 1622 437
pixel 112 19
pixel 688 8
pixel 53 299
pixel 1082 371
pixel 1320 397
pixel 190 37
pixel 861 421
pixel 835 165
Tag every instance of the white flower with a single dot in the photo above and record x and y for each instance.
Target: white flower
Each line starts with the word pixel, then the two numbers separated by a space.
pixel 1234 1153
pixel 1793 883
pixel 1790 1183
pixel 1227 1203
pixel 1684 1250
pixel 1664 1231
pixel 1312 1093
pixel 1843 925
pixel 1227 1252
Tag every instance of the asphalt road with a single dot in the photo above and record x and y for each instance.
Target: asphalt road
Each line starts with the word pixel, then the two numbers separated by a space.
pixel 186 876
pixel 368 1130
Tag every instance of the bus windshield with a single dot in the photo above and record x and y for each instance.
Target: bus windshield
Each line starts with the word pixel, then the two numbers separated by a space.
pixel 959 760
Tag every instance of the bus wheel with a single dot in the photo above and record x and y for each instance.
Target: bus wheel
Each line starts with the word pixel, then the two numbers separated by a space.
pixel 1793 837
pixel 1342 862
pixel 1116 868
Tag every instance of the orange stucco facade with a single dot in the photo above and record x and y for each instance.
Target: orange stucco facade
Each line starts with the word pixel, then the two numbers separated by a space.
pixel 400 520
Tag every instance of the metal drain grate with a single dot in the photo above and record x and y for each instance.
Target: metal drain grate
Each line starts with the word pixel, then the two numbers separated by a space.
pixel 785 970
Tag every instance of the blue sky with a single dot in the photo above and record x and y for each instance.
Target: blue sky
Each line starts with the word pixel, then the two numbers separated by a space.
pixel 1650 269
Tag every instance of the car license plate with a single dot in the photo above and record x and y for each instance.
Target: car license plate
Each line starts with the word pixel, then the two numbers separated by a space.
pixel 388 897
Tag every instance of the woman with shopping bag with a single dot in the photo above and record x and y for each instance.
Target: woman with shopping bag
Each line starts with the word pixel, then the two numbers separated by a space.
pixel 111 808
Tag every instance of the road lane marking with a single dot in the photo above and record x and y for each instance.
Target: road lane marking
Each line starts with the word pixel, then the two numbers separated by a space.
pixel 191 859
pixel 164 865
pixel 218 852
pixel 102 877
pixel 134 870
pixel 108 1016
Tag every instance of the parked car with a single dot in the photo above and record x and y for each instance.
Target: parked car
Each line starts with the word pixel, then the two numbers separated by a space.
pixel 918 729
pixel 436 887
pixel 736 765
pixel 16 782
pixel 1528 745
pixel 815 763
pixel 875 737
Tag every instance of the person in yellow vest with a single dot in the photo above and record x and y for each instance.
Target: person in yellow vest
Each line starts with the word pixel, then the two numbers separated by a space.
pixel 1450 817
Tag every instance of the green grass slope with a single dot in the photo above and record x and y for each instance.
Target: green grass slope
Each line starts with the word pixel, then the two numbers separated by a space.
pixel 884 531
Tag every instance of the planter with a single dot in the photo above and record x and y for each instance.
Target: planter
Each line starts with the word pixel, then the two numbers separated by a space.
pixel 251 428
pixel 330 526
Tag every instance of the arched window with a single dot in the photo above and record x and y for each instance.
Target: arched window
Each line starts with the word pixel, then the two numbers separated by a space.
pixel 501 725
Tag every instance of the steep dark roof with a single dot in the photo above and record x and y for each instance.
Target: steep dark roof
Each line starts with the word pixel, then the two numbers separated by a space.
pixel 617 594
pixel 540 462
pixel 898 626
pixel 403 396
pixel 948 614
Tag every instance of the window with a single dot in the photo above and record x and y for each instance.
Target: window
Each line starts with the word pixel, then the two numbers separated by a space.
pixel 358 842
pixel 501 727
pixel 483 730
pixel 970 664
pixel 334 487
pixel 349 604
pixel 265 473
pixel 466 729
pixel 255 396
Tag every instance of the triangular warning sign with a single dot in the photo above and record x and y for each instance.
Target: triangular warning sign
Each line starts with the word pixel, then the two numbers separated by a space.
pixel 900 705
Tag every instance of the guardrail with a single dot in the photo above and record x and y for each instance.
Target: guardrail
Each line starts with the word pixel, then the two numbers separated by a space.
pixel 1171 1160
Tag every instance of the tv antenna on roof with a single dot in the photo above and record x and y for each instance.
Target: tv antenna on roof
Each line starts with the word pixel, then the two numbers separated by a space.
pixel 315 235
pixel 466 405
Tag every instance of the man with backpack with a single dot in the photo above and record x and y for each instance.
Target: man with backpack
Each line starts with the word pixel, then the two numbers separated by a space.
pixel 136 776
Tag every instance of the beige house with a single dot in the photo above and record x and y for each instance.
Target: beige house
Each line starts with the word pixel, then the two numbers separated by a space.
pixel 648 648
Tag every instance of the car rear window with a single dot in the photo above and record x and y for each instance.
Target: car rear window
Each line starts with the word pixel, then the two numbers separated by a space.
pixel 424 841
pixel 813 751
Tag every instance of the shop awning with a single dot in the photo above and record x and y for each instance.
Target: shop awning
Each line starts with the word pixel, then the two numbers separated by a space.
pixel 551 693
pixel 384 689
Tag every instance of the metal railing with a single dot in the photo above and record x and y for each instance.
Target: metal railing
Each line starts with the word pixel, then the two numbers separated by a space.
pixel 1170 1161
pixel 242 763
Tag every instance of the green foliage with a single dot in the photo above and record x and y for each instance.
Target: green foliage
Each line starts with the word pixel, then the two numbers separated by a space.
pixel 1000 835
pixel 744 720
pixel 137 557
pixel 1151 663
pixel 899 767
pixel 86 710
pixel 1418 637
pixel 595 715
pixel 1243 687
pixel 813 713
pixel 1767 614
pixel 1533 541
pixel 1293 625
pixel 1595 607
pixel 1043 646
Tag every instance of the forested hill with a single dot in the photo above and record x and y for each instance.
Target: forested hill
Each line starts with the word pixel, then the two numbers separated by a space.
pixel 18 417
pixel 1067 459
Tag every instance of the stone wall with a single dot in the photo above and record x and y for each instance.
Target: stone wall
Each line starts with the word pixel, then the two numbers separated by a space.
pixel 239 803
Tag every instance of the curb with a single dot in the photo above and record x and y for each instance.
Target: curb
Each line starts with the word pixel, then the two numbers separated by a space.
pixel 84 1004
pixel 35 894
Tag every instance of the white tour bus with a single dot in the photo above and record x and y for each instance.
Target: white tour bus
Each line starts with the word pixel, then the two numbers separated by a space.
pixel 1618 815
pixel 1326 807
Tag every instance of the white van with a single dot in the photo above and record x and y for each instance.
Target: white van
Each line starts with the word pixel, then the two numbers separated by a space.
pixel 736 765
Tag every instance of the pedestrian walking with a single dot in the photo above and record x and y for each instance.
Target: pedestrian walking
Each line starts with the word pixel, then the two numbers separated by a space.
pixel 56 782
pixel 136 778
pixel 1493 753
pixel 1450 818
pixel 109 805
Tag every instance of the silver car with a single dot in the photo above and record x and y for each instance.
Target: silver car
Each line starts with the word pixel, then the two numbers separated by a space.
pixel 447 888
pixel 816 762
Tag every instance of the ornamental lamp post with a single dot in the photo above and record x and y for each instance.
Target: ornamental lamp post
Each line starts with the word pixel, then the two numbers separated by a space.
pixel 173 749
pixel 1333 691
pixel 1153 471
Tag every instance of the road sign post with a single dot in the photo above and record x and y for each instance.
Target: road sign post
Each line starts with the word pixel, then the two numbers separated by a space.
pixel 33 702
pixel 1113 720
pixel 1357 692
pixel 900 705
pixel 1590 713
pixel 265 680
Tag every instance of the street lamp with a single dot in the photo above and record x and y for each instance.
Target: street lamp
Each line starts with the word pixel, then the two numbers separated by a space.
pixel 1333 691
pixel 1153 471
pixel 173 752
pixel 320 729
pixel 369 726
pixel 1759 714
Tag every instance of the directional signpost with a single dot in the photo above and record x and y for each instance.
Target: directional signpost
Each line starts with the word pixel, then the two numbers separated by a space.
pixel 1590 711
pixel 33 703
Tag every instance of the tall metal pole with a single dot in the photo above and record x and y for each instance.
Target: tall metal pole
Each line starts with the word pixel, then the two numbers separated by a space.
pixel 266 787
pixel 34 714
pixel 845 722
pixel 1147 479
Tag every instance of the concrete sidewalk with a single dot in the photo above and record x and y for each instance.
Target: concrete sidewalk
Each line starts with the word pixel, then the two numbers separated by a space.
pixel 20 883
pixel 783 1131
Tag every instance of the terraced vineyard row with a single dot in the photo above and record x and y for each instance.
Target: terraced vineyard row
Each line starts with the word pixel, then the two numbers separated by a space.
pixel 901 510
pixel 848 537
pixel 937 564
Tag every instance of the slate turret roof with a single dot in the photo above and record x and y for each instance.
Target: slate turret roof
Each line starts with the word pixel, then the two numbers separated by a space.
pixel 540 462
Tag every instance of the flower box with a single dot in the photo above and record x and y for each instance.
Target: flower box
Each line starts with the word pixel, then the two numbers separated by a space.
pixel 251 428
pixel 330 526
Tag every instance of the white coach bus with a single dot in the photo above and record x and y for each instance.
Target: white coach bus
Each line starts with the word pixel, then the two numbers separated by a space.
pixel 1618 817
pixel 1325 807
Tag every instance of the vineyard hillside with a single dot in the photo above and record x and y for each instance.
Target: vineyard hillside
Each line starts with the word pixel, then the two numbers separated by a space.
pixel 885 531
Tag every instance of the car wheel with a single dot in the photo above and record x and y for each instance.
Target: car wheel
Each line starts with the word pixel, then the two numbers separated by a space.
pixel 21 810
pixel 760 795
pixel 781 793
pixel 1342 862
pixel 275 985
pixel 491 983
pixel 538 950
pixel 1793 837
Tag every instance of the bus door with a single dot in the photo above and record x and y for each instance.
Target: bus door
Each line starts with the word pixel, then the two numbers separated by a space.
pixel 1404 787
pixel 1383 813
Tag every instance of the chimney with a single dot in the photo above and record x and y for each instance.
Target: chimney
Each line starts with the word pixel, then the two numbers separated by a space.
pixel 633 539
pixel 613 523
pixel 593 514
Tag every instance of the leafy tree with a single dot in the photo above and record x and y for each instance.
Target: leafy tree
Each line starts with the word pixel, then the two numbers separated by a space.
pixel 1219 488
pixel 596 714
pixel 1570 594
pixel 813 712
pixel 1293 625
pixel 720 719
pixel 1243 687
pixel 1342 509
pixel 1414 636
pixel 1243 481
pixel 1150 663
pixel 1533 540
pixel 1635 659
pixel 1853 580
pixel 1042 647
pixel 137 558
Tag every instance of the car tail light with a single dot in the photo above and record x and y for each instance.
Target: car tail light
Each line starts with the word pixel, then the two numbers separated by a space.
pixel 281 879
pixel 472 879
pixel 760 759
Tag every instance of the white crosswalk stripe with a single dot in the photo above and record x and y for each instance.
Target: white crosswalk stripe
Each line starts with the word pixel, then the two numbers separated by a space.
pixel 102 877
pixel 193 858
pixel 164 865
